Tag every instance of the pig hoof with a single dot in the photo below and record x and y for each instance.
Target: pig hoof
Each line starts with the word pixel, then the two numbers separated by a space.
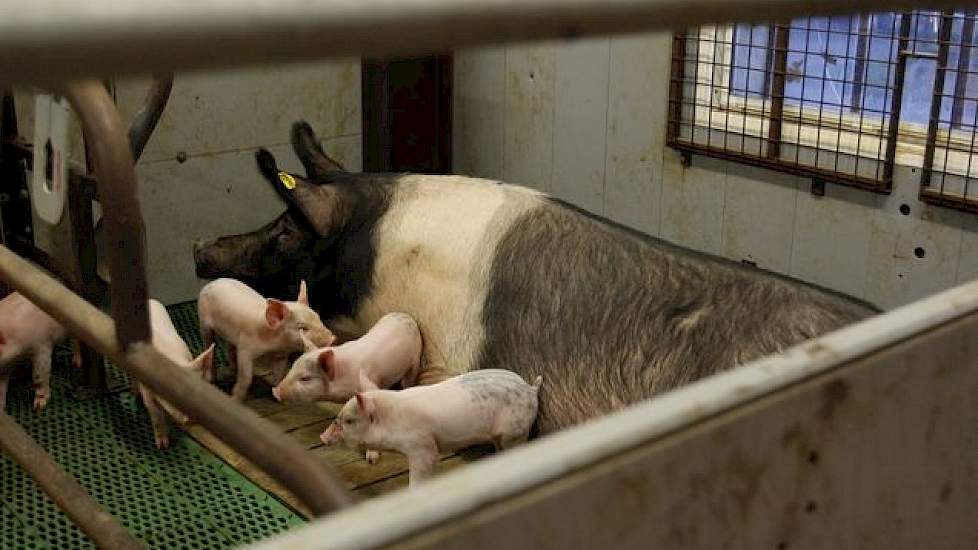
pixel 40 401
pixel 372 457
pixel 163 443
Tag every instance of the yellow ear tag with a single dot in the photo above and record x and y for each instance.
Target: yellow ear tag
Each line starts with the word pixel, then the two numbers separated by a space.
pixel 287 180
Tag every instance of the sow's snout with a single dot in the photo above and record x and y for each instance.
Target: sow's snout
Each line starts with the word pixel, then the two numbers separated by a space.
pixel 204 259
pixel 235 256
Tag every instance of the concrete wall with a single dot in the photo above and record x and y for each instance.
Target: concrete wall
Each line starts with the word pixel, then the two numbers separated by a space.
pixel 218 120
pixel 586 121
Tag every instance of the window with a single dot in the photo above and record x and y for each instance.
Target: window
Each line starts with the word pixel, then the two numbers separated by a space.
pixel 841 99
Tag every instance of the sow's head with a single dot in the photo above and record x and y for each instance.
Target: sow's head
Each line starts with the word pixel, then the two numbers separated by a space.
pixel 324 236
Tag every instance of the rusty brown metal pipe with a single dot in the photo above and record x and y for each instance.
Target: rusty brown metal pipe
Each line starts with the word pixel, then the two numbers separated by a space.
pixel 94 520
pixel 143 124
pixel 126 340
pixel 238 426
pixel 110 152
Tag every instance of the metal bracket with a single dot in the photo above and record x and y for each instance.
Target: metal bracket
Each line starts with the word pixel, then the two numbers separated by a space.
pixel 818 187
pixel 686 158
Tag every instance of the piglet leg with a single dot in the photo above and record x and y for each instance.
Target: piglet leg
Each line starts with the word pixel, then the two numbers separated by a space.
pixel 245 374
pixel 4 380
pixel 158 418
pixel 421 462
pixel 76 358
pixel 207 335
pixel 279 368
pixel 366 384
pixel 41 374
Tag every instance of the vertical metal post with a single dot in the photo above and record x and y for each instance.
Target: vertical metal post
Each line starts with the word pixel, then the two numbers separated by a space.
pixel 676 86
pixel 146 119
pixel 777 91
pixel 937 99
pixel 113 161
pixel 964 68
pixel 898 77
pixel 862 54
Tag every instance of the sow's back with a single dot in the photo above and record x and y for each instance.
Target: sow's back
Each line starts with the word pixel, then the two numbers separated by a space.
pixel 620 316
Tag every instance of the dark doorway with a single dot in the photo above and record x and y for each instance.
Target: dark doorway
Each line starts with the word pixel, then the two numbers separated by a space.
pixel 407 115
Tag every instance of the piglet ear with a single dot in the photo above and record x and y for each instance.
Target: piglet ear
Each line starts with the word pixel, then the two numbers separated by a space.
pixel 205 361
pixel 327 363
pixel 303 295
pixel 367 406
pixel 275 313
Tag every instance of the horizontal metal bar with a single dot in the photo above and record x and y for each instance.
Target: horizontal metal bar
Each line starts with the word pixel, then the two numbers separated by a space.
pixel 94 520
pixel 455 496
pixel 883 187
pixel 918 55
pixel 934 196
pixel 53 39
pixel 238 426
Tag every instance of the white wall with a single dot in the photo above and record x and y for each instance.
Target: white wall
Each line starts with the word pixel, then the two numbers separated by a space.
pixel 586 121
pixel 218 119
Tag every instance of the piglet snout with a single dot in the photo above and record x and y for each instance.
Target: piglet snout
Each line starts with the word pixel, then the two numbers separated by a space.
pixel 331 436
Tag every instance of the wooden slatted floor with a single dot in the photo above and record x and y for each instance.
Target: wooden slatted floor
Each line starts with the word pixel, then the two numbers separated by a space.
pixel 303 423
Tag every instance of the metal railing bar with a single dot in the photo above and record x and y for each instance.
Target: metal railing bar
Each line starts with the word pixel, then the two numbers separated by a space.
pixel 43 40
pixel 115 172
pixel 143 124
pixel 241 428
pixel 94 520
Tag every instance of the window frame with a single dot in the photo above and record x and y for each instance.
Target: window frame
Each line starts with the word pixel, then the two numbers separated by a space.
pixel 712 107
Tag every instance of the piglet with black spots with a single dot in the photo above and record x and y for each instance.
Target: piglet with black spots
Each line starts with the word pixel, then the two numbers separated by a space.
pixel 484 406
pixel 26 330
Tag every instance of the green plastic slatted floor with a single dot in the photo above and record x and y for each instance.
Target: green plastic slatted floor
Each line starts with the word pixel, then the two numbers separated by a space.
pixel 182 498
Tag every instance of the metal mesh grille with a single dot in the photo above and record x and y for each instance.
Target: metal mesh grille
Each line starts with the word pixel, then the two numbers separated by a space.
pixel 182 498
pixel 948 40
pixel 838 98
pixel 814 97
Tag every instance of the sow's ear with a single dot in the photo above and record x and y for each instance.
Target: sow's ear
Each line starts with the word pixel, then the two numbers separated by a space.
pixel 307 148
pixel 320 205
